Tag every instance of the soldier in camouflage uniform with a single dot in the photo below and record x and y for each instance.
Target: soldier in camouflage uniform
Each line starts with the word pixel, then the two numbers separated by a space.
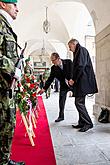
pixel 8 59
pixel 28 68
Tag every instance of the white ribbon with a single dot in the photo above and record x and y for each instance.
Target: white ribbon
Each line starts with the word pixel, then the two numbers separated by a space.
pixel 30 116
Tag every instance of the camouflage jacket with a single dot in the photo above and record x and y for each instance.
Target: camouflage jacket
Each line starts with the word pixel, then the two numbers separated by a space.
pixel 8 47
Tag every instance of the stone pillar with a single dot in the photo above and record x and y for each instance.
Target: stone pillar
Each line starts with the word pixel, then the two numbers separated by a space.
pixel 102 70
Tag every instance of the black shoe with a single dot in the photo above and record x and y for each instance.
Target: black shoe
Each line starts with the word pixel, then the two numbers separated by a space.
pixel 11 162
pixel 59 119
pixel 86 128
pixel 77 126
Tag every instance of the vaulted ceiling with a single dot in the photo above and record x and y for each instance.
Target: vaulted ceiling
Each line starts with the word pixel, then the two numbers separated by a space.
pixel 68 18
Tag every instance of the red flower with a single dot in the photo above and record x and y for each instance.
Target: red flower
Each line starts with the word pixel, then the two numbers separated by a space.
pixel 28 80
pixel 32 86
pixel 34 94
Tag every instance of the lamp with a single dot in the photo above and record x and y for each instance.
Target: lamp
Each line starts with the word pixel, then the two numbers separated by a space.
pixel 46 23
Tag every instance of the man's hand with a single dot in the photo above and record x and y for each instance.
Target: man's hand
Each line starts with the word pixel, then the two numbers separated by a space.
pixel 41 91
pixel 71 82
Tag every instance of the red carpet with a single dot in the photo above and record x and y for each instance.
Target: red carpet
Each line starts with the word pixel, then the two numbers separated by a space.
pixel 42 153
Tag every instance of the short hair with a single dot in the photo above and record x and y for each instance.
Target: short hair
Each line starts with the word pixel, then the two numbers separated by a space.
pixel 55 54
pixel 73 40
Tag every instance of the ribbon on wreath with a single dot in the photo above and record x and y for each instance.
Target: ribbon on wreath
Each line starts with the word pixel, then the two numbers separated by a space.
pixel 30 128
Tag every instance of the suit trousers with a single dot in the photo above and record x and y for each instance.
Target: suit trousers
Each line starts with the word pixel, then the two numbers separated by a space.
pixel 62 99
pixel 84 118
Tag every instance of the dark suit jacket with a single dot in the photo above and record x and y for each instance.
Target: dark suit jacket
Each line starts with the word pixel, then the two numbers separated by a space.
pixel 83 73
pixel 61 75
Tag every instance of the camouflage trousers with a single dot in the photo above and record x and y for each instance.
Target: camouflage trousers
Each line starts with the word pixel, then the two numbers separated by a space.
pixel 7 123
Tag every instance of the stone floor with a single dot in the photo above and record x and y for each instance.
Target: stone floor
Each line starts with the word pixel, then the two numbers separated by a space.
pixel 72 147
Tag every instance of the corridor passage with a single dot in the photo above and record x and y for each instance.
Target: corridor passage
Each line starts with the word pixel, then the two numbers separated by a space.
pixel 72 147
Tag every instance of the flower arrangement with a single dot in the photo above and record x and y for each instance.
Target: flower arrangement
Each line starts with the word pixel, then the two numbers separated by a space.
pixel 27 93
pixel 26 99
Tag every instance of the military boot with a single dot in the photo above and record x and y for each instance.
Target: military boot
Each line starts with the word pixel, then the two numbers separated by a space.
pixel 11 162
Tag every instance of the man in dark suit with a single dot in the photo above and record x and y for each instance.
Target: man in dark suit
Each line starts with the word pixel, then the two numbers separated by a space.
pixel 83 81
pixel 62 70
